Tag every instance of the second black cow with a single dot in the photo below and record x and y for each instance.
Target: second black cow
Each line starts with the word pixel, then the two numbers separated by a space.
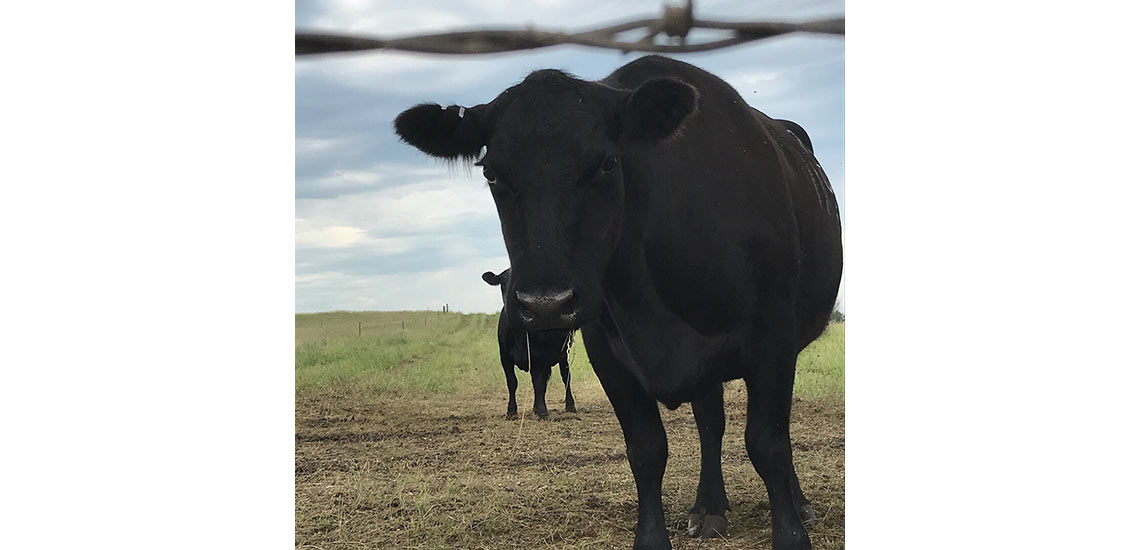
pixel 536 352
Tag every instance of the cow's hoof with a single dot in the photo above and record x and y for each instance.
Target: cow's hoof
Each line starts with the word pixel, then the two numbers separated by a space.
pixel 791 541
pixel 807 515
pixel 571 408
pixel 512 415
pixel 658 542
pixel 694 524
pixel 714 526
pixel 542 415
pixel 797 545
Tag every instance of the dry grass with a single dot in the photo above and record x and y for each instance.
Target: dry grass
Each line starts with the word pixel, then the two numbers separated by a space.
pixel 395 467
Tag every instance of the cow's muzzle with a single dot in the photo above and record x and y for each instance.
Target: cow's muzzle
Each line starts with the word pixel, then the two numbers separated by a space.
pixel 547 308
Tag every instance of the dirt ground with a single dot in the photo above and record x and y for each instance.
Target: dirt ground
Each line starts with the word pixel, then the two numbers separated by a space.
pixel 390 472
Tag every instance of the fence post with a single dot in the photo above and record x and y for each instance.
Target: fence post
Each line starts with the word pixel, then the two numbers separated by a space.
pixel 359 329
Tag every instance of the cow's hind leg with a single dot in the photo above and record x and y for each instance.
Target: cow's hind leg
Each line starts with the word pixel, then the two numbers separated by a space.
pixel 767 438
pixel 564 368
pixel 707 516
pixel 539 377
pixel 646 447
pixel 512 385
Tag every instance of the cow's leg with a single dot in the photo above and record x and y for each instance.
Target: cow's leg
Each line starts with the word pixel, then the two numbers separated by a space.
pixel 564 368
pixel 539 376
pixel 512 385
pixel 766 436
pixel 707 517
pixel 645 445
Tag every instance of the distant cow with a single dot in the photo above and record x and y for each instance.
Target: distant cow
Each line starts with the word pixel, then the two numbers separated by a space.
pixel 692 238
pixel 545 350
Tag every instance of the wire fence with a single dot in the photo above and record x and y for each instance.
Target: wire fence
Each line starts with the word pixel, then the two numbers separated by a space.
pixel 676 22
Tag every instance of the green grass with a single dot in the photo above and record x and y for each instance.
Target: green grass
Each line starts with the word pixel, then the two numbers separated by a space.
pixel 819 369
pixel 420 353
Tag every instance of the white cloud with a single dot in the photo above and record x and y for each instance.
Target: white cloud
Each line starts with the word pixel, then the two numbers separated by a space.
pixel 312 146
pixel 336 236
pixel 414 208
pixel 312 235
pixel 396 173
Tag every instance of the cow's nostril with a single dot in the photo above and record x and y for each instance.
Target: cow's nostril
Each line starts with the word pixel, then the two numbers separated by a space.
pixel 545 301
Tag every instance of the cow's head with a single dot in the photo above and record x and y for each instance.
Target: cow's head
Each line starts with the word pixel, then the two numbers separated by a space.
pixel 553 163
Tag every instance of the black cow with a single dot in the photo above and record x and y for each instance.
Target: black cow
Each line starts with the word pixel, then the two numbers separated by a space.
pixel 693 239
pixel 538 355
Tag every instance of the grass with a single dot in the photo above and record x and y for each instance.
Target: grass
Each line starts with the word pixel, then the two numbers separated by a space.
pixel 422 353
pixel 401 443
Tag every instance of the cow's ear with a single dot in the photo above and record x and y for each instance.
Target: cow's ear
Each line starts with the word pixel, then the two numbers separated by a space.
pixel 491 278
pixel 446 132
pixel 657 110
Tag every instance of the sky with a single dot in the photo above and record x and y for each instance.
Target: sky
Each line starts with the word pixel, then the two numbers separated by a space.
pixel 381 226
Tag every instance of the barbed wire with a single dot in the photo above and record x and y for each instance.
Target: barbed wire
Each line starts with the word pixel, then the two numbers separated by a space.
pixel 676 22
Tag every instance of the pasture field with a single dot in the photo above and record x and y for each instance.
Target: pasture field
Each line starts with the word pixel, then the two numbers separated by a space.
pixel 402 442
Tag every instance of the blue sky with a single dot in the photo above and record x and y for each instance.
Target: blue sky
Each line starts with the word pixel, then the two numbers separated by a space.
pixel 380 226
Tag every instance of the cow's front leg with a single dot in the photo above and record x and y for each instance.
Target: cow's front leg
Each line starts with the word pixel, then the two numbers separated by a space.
pixel 512 385
pixel 645 445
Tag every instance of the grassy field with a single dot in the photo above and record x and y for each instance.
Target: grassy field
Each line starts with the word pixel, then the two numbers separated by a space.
pixel 402 443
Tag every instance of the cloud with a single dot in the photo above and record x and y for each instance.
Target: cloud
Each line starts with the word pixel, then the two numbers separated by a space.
pixel 311 235
pixel 405 208
pixel 316 146
pixel 348 181
pixel 335 236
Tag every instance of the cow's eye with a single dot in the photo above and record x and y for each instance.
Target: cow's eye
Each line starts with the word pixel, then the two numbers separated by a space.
pixel 489 174
pixel 609 165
